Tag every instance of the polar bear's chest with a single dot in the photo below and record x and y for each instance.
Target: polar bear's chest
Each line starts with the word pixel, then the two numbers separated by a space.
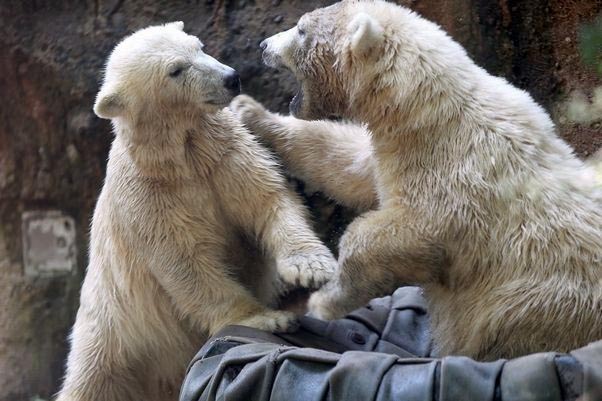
pixel 189 212
pixel 199 208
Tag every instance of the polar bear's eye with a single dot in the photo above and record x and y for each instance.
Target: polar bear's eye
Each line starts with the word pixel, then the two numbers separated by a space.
pixel 176 72
pixel 301 31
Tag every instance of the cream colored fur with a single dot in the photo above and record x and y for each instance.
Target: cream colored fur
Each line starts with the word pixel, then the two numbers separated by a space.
pixel 193 226
pixel 331 157
pixel 479 200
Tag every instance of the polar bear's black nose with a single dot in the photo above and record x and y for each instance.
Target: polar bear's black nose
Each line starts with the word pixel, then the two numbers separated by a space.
pixel 263 44
pixel 232 83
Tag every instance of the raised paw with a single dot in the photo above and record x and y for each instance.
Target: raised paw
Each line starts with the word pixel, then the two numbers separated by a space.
pixel 247 109
pixel 309 270
pixel 272 321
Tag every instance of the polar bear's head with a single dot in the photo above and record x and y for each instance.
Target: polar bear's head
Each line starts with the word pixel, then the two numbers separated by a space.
pixel 355 51
pixel 160 70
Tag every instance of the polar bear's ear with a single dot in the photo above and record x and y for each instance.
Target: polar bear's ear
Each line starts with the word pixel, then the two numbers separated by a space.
pixel 366 34
pixel 177 24
pixel 109 103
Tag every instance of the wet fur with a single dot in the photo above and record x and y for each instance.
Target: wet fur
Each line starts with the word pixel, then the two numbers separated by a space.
pixel 479 200
pixel 194 230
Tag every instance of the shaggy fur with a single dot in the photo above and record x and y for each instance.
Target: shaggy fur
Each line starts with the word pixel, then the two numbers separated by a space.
pixel 479 201
pixel 191 230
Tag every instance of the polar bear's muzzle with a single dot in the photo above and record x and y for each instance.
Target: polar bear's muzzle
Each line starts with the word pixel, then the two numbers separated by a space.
pixel 214 83
pixel 277 47
pixel 221 97
pixel 269 57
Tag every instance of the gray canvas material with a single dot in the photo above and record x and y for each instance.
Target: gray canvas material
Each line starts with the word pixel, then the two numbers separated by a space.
pixel 380 353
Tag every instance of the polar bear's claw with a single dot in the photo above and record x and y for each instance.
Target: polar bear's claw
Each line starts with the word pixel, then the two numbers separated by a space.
pixel 273 321
pixel 308 270
pixel 247 109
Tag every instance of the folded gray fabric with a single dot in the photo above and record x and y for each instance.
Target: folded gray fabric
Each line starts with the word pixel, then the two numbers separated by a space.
pixel 396 324
pixel 378 353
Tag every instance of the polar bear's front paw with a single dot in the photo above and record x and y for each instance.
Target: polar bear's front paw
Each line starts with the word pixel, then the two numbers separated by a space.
pixel 320 305
pixel 272 321
pixel 309 270
pixel 247 109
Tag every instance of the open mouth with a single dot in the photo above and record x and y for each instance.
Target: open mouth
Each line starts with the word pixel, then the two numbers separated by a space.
pixel 296 101
pixel 219 102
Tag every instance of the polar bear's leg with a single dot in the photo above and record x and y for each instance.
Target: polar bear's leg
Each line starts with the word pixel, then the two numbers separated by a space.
pixel 255 197
pixel 380 251
pixel 205 293
pixel 335 158
pixel 97 367
pixel 96 384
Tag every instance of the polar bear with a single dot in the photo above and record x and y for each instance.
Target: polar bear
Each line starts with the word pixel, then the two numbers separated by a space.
pixel 193 227
pixel 478 199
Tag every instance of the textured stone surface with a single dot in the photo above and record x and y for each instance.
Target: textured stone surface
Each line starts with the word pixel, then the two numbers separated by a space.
pixel 53 149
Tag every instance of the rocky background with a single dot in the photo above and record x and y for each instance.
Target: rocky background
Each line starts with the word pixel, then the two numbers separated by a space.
pixel 53 149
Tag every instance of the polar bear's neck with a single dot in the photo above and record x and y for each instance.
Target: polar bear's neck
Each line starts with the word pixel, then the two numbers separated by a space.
pixel 438 129
pixel 162 151
pixel 422 115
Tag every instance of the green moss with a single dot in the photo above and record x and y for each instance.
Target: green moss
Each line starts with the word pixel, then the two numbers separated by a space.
pixel 590 44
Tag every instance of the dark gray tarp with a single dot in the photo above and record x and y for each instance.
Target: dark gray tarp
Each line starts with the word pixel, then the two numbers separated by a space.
pixel 381 353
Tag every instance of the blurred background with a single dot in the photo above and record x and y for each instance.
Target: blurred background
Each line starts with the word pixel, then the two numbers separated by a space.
pixel 53 150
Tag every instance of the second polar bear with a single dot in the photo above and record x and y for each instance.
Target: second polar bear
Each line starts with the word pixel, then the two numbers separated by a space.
pixel 191 214
pixel 477 198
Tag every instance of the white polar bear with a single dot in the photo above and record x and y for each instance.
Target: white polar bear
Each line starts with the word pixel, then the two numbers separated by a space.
pixel 191 211
pixel 478 199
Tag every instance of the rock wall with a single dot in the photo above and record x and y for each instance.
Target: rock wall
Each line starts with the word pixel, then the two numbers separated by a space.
pixel 53 149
